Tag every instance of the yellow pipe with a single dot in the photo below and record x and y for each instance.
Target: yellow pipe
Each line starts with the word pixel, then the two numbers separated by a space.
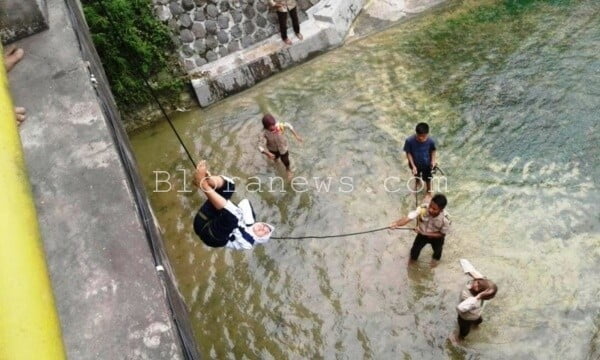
pixel 29 327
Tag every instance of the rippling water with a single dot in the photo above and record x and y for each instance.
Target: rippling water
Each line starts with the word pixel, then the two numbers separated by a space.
pixel 512 96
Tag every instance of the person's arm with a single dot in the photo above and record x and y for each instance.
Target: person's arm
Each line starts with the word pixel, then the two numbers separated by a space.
pixel 400 222
pixel 405 220
pixel 470 270
pixel 412 163
pixel 433 159
pixel 470 303
pixel 262 146
pixel 298 138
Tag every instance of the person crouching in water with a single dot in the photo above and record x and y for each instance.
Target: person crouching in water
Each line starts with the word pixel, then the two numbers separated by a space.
pixel 471 302
pixel 276 142
pixel 432 226
pixel 219 222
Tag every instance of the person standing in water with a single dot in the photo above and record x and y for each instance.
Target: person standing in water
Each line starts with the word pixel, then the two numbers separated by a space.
pixel 219 222
pixel 472 297
pixel 420 152
pixel 432 227
pixel 276 142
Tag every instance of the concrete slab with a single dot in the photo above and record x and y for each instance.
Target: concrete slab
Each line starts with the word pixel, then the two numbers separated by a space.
pixel 110 301
pixel 21 18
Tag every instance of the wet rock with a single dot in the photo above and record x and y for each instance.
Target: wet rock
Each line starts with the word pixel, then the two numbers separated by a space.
pixel 163 13
pixel 223 51
pixel 185 21
pixel 199 14
pixel 223 21
pixel 211 56
pixel 176 9
pixel 187 51
pixel 260 35
pixel 187 36
pixel 233 46
pixel 260 21
pixel 249 12
pixel 223 37
pixel 198 30
pixel 249 27
pixel 224 6
pixel 211 42
pixel 189 64
pixel 262 7
pixel 247 41
pixel 236 32
pixel 211 26
pixel 237 16
pixel 211 11
pixel 200 46
pixel 200 61
pixel 187 5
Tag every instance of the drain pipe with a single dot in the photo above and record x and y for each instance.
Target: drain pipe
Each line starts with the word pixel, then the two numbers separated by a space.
pixel 29 326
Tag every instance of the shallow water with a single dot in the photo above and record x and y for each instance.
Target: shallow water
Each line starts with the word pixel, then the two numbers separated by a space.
pixel 513 101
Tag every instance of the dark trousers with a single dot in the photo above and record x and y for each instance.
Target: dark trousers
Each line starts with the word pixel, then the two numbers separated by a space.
pixel 421 240
pixel 464 326
pixel 285 158
pixel 282 16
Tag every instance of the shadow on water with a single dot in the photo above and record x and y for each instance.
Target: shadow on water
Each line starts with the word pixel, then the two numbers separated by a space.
pixel 510 89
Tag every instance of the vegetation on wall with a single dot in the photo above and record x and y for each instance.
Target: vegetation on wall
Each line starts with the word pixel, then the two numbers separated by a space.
pixel 133 45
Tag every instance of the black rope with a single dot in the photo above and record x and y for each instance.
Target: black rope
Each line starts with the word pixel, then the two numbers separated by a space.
pixel 335 236
pixel 150 90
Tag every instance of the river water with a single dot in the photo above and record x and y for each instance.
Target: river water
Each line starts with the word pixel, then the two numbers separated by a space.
pixel 511 91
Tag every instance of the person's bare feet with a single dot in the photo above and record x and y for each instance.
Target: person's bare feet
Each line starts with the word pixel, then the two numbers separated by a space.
pixel 299 36
pixel 289 174
pixel 12 55
pixel 201 173
pixel 287 41
pixel 20 114
pixel 433 263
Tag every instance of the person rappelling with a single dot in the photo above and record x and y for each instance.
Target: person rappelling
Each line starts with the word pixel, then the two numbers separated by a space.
pixel 221 223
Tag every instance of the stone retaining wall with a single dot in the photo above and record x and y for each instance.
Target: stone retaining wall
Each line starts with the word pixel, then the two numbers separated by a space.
pixel 206 30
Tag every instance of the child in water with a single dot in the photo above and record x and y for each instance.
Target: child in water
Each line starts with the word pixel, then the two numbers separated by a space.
pixel 471 300
pixel 276 142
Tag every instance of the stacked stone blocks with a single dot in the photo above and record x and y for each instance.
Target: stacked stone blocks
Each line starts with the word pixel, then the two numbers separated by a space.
pixel 206 30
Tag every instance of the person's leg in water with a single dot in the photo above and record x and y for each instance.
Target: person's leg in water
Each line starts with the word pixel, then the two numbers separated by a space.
pixel 12 55
pixel 296 23
pixel 418 245
pixel 282 17
pixel 285 159
pixel 438 246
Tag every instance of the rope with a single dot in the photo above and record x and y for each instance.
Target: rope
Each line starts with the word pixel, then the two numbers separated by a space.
pixel 335 236
pixel 149 88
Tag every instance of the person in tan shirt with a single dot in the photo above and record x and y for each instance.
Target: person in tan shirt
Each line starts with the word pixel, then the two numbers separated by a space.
pixel 283 8
pixel 472 297
pixel 432 226
pixel 276 142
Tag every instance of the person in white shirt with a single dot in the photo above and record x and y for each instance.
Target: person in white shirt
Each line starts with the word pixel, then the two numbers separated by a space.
pixel 472 298
pixel 432 226
pixel 219 222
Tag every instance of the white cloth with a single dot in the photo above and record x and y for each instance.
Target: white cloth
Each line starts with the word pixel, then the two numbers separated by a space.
pixel 243 211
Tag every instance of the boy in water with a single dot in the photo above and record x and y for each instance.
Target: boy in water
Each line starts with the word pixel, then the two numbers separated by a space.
pixel 276 142
pixel 471 300
pixel 421 152
pixel 432 227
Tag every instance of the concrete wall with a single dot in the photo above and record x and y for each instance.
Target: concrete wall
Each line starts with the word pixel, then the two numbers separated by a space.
pixel 326 27
pixel 207 30
pixel 21 18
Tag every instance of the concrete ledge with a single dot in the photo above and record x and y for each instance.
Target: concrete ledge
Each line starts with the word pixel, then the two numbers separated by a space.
pixel 21 18
pixel 326 28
